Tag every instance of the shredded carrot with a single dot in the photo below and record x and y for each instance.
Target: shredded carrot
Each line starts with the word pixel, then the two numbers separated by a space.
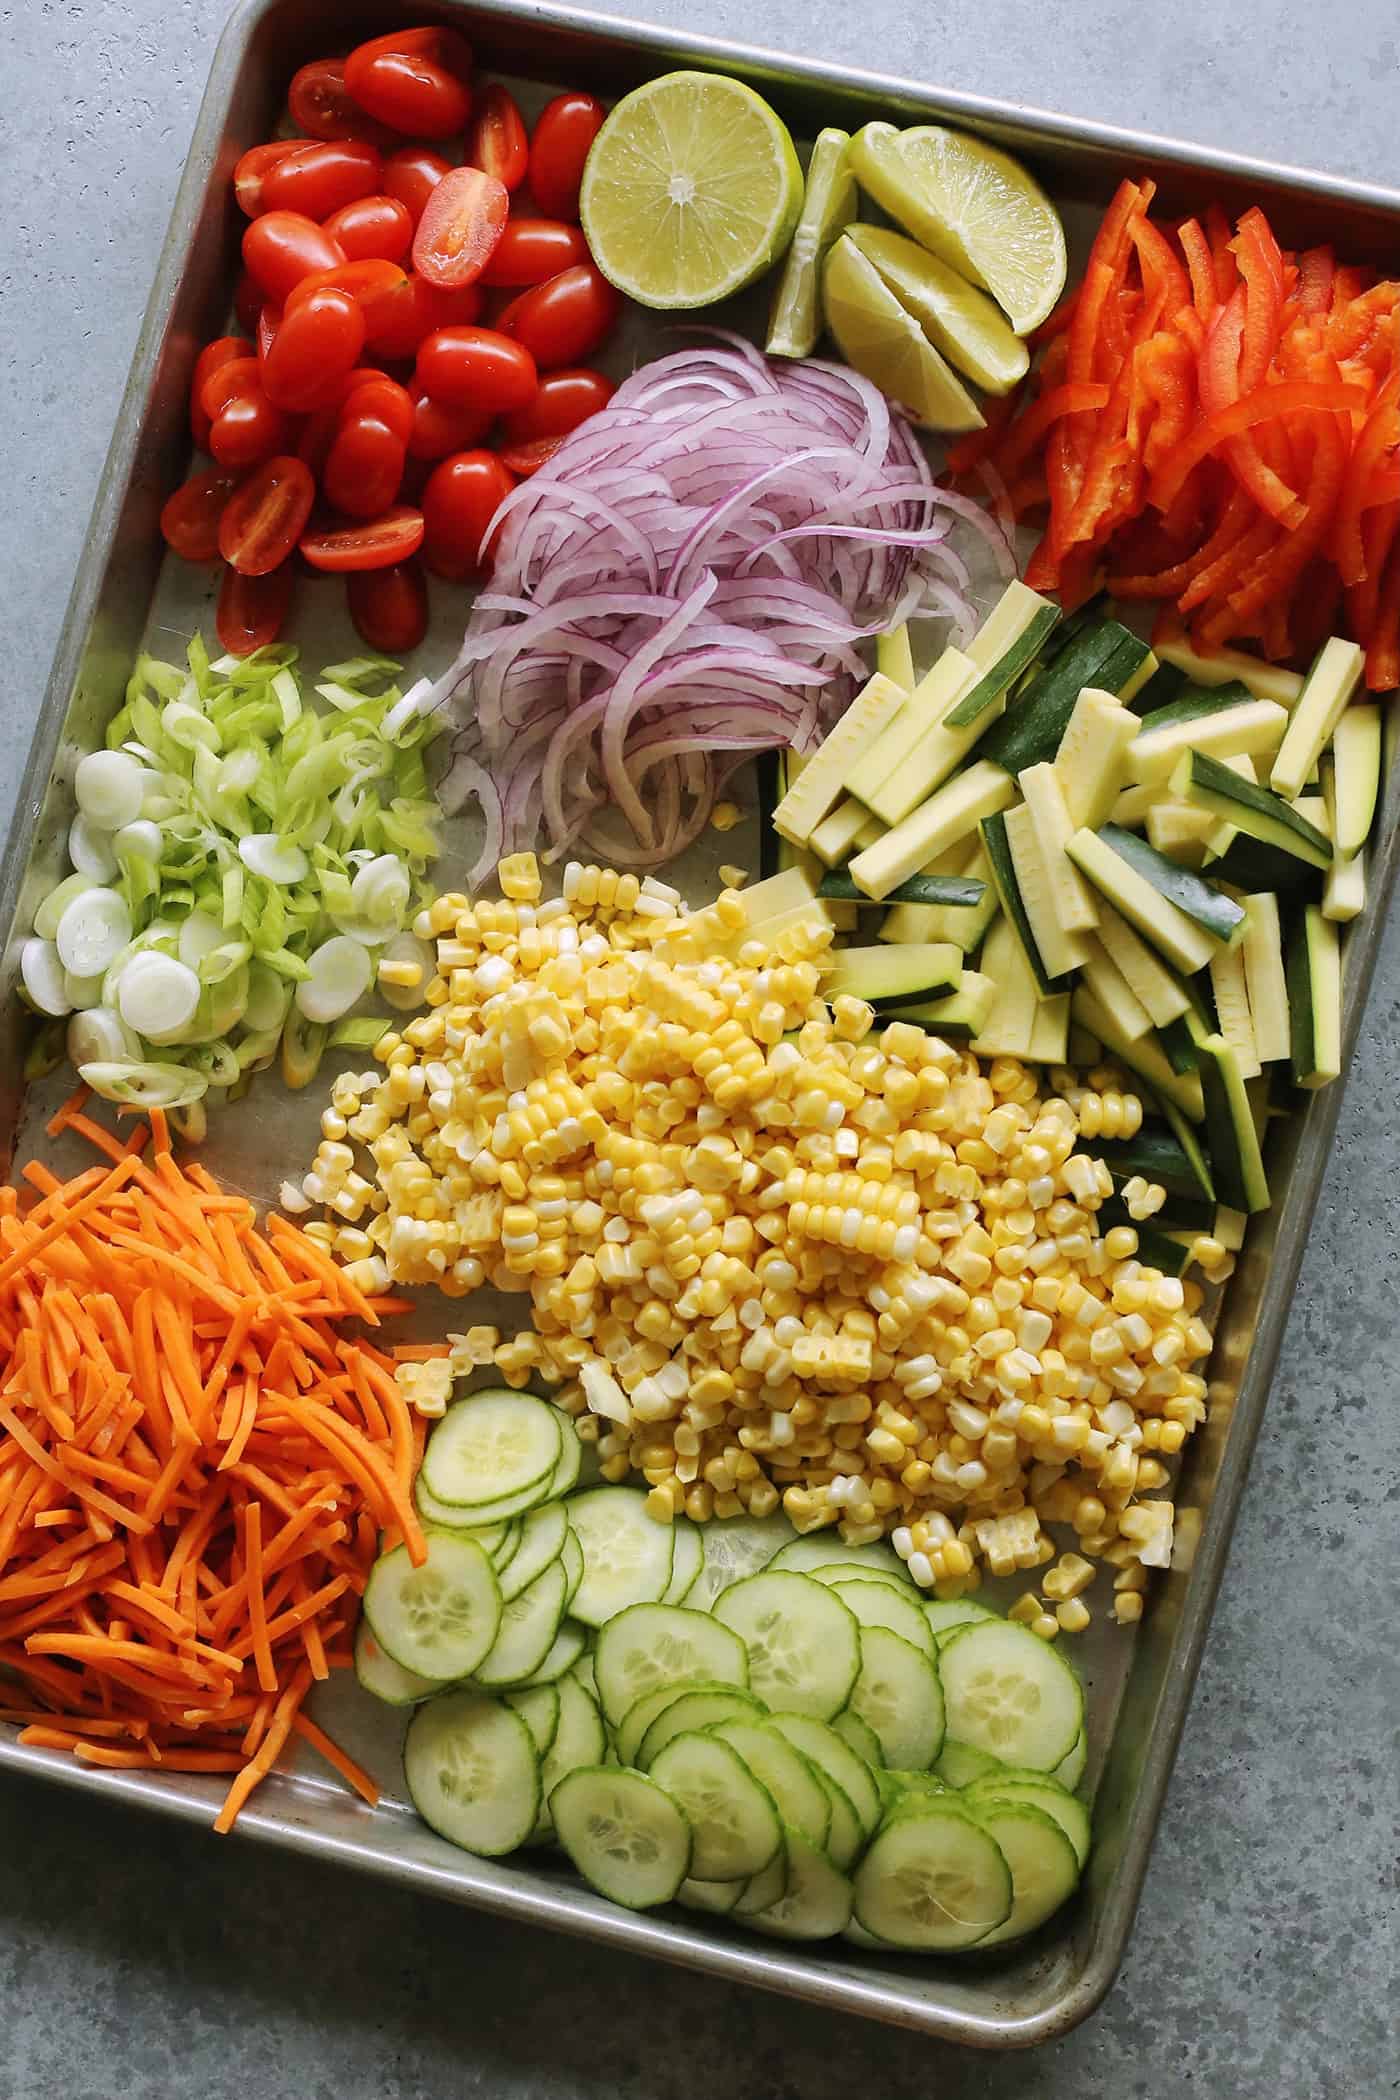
pixel 194 1450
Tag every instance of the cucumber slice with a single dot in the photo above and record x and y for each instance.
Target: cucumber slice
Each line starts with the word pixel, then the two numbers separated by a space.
pixel 687 1559
pixel 824 1549
pixel 627 1555
pixel 762 1891
pixel 473 1773
pixel 1010 1694
pixel 540 1544
pixel 701 1707
pixel 491 1447
pixel 630 1732
pixel 626 1837
pixel 538 1708
pixel 878 1603
pixel 845 1839
pixel 832 1755
pixel 735 1828
pixel 960 1765
pixel 529 1624
pixel 944 1613
pixel 565 1477
pixel 736 1547
pixel 1053 1801
pixel 860 1737
pixel 803 1643
pixel 933 1881
pixel 562 1656
pixel 1070 1770
pixel 571 1559
pixel 1043 1862
pixel 719 1897
pixel 836 1572
pixel 654 1644
pixel 583 1670
pixel 580 1739
pixel 905 1793
pixel 802 1801
pixel 383 1678
pixel 899 1695
pixel 509 1535
pixel 439 1620
pixel 816 1904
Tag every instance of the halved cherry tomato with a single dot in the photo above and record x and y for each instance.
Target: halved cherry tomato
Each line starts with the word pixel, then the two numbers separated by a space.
pixel 252 609
pixel 378 544
pixel 376 228
pixel 438 429
pixel 412 174
pixel 415 80
pixel 269 321
pixel 318 341
pixel 373 284
pixel 527 459
pixel 247 302
pixel 564 400
pixel 564 131
pixel 398 326
pixel 318 179
pixel 190 518
pixel 264 519
pixel 245 427
pixel 282 247
pixel 462 222
pixel 252 169
pixel 565 318
pixel 364 466
pixel 476 367
pixel 496 142
pixel 530 250
pixel 389 607
pixel 459 502
pixel 320 105
pixel 224 350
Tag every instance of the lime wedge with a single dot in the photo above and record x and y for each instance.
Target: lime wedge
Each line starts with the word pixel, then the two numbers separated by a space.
pixel 957 319
pixel 879 338
pixel 974 207
pixel 796 319
pixel 691 190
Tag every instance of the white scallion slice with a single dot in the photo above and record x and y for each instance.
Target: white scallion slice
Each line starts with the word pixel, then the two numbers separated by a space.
pixel 100 1036
pixel 157 996
pixel 381 890
pixel 110 787
pixel 90 849
pixel 84 991
pixel 46 918
pixel 263 853
pixel 139 840
pixel 200 935
pixel 42 974
pixel 268 999
pixel 137 1084
pixel 93 931
pixel 340 974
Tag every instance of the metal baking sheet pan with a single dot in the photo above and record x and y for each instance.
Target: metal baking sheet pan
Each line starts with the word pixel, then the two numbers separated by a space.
pixel 124 596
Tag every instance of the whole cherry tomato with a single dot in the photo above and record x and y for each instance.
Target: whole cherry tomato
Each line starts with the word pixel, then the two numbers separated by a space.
pixel 478 368
pixel 320 105
pixel 398 325
pixel 247 301
pixel 190 518
pixel 377 544
pixel 245 427
pixel 376 228
pixel 564 400
pixel 530 250
pixel 459 502
pixel 564 131
pixel 564 319
pixel 373 284
pixel 378 395
pixel 318 341
pixel 497 142
pixel 389 607
pixel 253 169
pixel 282 247
pixel 318 179
pixel 364 467
pixel 265 517
pixel 252 609
pixel 414 80
pixel 224 350
pixel 412 174
pixel 438 429
pixel 462 221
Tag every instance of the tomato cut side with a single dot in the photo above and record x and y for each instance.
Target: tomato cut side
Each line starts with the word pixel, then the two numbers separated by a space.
pixel 376 228
pixel 415 80
pixel 318 179
pixel 566 318
pixel 476 367
pixel 252 610
pixel 497 142
pixel 252 170
pixel 190 518
pixel 564 131
pixel 266 516
pixel 462 221
pixel 460 500
pixel 527 458
pixel 377 544
pixel 389 607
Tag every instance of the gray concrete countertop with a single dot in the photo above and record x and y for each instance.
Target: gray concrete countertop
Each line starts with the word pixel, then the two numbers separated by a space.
pixel 154 1963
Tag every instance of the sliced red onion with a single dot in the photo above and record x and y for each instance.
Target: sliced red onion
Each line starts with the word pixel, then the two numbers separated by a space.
pixel 687 581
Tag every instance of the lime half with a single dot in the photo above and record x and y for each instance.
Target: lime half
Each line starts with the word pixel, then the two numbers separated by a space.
pixel 974 207
pixel 957 319
pixel 878 337
pixel 691 190
pixel 830 206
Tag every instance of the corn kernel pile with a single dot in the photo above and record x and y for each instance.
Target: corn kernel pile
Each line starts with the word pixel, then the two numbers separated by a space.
pixel 775 1253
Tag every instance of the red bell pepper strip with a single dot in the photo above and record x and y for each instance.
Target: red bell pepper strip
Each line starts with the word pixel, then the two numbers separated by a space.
pixel 1201 266
pixel 1379 436
pixel 1267 404
pixel 1276 573
pixel 1316 268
